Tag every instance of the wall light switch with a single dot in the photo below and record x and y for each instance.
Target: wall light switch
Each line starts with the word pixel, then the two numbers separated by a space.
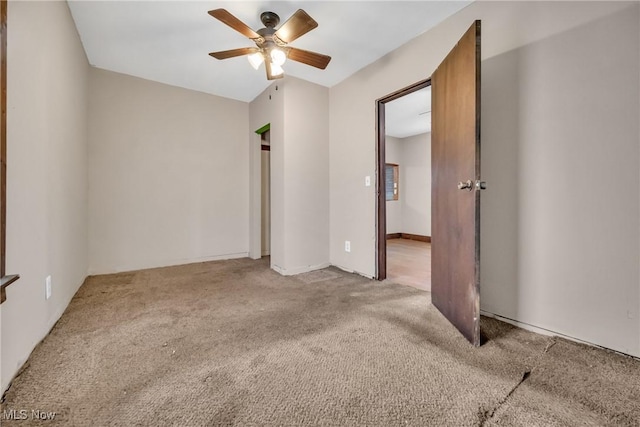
pixel 347 246
pixel 367 181
pixel 47 287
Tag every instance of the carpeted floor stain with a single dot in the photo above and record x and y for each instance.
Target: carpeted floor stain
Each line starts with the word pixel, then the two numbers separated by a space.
pixel 234 343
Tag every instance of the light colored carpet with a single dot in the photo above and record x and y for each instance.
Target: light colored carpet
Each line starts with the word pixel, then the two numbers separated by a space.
pixel 234 343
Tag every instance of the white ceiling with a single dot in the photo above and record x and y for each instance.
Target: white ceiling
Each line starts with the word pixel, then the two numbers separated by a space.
pixel 409 115
pixel 169 41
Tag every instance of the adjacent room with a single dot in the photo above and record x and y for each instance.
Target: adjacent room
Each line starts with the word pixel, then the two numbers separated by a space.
pixel 408 189
pixel 204 220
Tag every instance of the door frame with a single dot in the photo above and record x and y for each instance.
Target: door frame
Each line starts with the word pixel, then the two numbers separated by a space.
pixel 255 192
pixel 265 147
pixel 381 202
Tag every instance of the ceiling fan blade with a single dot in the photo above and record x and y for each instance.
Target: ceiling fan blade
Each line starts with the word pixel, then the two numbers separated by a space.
pixel 299 24
pixel 224 54
pixel 307 57
pixel 224 16
pixel 270 76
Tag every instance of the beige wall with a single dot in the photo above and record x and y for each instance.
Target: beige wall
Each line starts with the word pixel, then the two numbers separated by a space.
pixel 168 175
pixel 415 176
pixel 306 184
pixel 298 113
pixel 558 223
pixel 411 213
pixel 267 108
pixel 46 176
pixel 560 244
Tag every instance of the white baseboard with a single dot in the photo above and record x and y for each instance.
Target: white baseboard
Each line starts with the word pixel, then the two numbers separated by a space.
pixel 299 270
pixel 348 270
pixel 550 333
pixel 167 263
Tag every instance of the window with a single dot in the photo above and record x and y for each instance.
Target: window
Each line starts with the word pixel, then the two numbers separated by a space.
pixel 391 181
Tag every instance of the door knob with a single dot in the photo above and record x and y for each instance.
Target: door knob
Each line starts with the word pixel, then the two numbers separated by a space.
pixel 467 185
pixel 481 185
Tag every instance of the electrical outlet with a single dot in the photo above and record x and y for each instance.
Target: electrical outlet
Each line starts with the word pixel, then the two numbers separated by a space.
pixel 47 287
pixel 347 246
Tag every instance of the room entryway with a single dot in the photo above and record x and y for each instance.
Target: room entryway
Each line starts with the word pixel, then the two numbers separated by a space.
pixel 265 194
pixel 455 184
pixel 408 189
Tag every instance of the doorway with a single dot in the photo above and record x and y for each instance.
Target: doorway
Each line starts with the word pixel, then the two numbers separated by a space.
pixel 265 193
pixel 455 157
pixel 408 189
pixel 404 193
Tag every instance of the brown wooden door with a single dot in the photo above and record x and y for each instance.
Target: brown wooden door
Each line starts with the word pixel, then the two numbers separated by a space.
pixel 455 150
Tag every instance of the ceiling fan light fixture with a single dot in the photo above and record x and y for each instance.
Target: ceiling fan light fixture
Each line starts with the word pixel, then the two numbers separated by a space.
pixel 272 46
pixel 255 59
pixel 278 57
pixel 276 70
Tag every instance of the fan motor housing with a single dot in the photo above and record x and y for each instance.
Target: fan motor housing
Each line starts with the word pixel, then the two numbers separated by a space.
pixel 269 19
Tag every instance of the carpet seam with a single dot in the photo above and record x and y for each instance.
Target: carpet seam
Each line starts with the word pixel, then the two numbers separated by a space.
pixel 488 415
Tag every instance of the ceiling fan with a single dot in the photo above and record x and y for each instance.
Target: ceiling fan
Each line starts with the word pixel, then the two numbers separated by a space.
pixel 271 44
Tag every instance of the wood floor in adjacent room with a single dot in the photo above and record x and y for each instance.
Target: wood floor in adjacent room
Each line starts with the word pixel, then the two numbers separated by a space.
pixel 409 263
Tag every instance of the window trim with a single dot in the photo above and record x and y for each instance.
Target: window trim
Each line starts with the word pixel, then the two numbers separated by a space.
pixel 396 182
